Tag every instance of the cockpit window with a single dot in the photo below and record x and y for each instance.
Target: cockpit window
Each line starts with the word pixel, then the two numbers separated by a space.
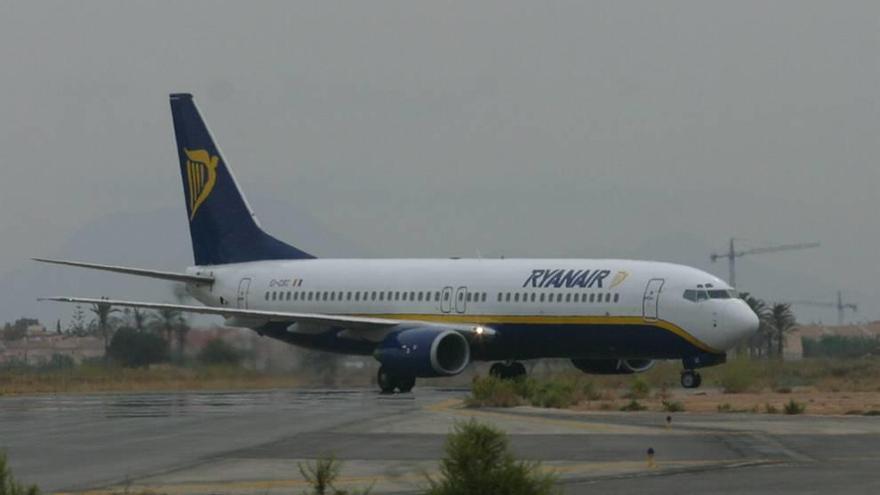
pixel 696 295
pixel 722 294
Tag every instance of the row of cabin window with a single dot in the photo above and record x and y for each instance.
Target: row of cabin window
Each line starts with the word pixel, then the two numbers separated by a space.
pixel 428 296
pixel 367 296
pixel 558 297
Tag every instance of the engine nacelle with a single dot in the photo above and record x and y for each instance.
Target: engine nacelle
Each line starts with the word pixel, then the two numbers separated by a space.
pixel 424 352
pixel 613 366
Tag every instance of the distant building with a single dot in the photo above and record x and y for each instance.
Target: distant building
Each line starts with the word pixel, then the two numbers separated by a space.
pixel 38 347
pixel 794 348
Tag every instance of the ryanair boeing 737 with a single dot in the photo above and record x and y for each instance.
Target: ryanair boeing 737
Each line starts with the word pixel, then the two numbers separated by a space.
pixel 433 317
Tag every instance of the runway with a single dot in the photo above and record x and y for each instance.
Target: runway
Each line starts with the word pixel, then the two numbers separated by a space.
pixel 251 442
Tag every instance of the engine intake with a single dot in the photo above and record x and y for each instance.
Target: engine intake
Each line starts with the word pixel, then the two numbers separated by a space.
pixel 424 352
pixel 613 366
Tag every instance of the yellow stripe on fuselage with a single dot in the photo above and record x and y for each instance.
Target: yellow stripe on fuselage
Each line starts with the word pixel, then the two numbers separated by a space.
pixel 490 320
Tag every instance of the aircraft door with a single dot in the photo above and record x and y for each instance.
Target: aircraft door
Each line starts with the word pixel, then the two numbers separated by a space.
pixel 446 301
pixel 461 300
pixel 651 300
pixel 244 286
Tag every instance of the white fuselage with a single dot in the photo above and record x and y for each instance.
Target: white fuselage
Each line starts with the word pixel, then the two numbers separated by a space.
pixel 577 294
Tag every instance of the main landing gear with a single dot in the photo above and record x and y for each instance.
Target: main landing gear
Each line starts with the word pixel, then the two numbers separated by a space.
pixel 507 371
pixel 691 379
pixel 388 381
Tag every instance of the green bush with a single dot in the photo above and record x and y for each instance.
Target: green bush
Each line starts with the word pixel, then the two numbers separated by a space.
pixel 770 409
pixel 556 394
pixel 219 352
pixel 8 485
pixel 495 392
pixel 633 405
pixel 639 388
pixel 478 461
pixel 793 407
pixel 737 376
pixel 673 406
pixel 321 475
pixel 133 349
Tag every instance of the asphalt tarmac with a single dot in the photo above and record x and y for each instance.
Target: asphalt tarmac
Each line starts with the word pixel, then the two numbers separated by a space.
pixel 252 442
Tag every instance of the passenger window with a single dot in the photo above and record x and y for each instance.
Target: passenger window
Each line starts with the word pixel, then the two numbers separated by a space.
pixel 593 298
pixel 507 297
pixel 559 297
pixel 267 296
pixel 616 297
pixel 445 296
pixel 288 295
pixel 373 296
pixel 420 296
pixel 499 297
pixel 516 297
pixel 484 296
pixel 608 297
pixel 568 297
pixel 437 296
pixel 542 297
pixel 468 297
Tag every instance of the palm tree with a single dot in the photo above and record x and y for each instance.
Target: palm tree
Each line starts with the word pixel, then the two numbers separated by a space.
pixel 167 319
pixel 763 338
pixel 139 318
pixel 783 321
pixel 180 330
pixel 102 313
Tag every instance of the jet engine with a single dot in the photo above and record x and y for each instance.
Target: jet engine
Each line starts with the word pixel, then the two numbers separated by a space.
pixel 613 366
pixel 424 352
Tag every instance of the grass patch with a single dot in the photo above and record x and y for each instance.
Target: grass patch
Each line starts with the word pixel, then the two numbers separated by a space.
pixel 737 376
pixel 557 392
pixel 90 378
pixel 8 485
pixel 633 405
pixel 321 475
pixel 794 407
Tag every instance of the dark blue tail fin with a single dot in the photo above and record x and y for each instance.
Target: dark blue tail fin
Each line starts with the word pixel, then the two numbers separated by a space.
pixel 222 225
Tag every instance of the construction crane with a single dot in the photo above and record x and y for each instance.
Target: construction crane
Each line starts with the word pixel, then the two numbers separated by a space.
pixel 840 305
pixel 732 254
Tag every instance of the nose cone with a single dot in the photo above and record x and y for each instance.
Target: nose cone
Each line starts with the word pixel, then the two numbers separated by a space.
pixel 747 321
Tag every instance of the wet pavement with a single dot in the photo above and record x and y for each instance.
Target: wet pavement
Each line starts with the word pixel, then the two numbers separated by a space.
pixel 252 442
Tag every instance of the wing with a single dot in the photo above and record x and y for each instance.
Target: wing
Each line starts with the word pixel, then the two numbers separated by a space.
pixel 161 275
pixel 359 326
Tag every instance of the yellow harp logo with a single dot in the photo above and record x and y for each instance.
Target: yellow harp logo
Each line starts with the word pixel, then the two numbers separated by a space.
pixel 201 176
pixel 618 279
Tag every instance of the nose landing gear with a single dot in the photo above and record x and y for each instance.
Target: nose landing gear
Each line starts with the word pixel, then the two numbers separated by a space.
pixel 691 379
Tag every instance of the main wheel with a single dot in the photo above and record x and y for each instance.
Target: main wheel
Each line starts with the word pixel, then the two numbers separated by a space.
pixel 386 381
pixel 406 383
pixel 690 379
pixel 497 370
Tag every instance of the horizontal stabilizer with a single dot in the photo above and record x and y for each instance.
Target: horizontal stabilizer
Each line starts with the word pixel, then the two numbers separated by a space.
pixel 140 272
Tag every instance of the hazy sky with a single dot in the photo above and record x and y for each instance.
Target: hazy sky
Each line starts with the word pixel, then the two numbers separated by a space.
pixel 436 129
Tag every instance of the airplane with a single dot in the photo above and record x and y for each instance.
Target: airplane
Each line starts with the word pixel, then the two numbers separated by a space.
pixel 423 318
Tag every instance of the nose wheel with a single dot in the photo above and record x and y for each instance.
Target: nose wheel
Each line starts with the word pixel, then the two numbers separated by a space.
pixel 691 379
